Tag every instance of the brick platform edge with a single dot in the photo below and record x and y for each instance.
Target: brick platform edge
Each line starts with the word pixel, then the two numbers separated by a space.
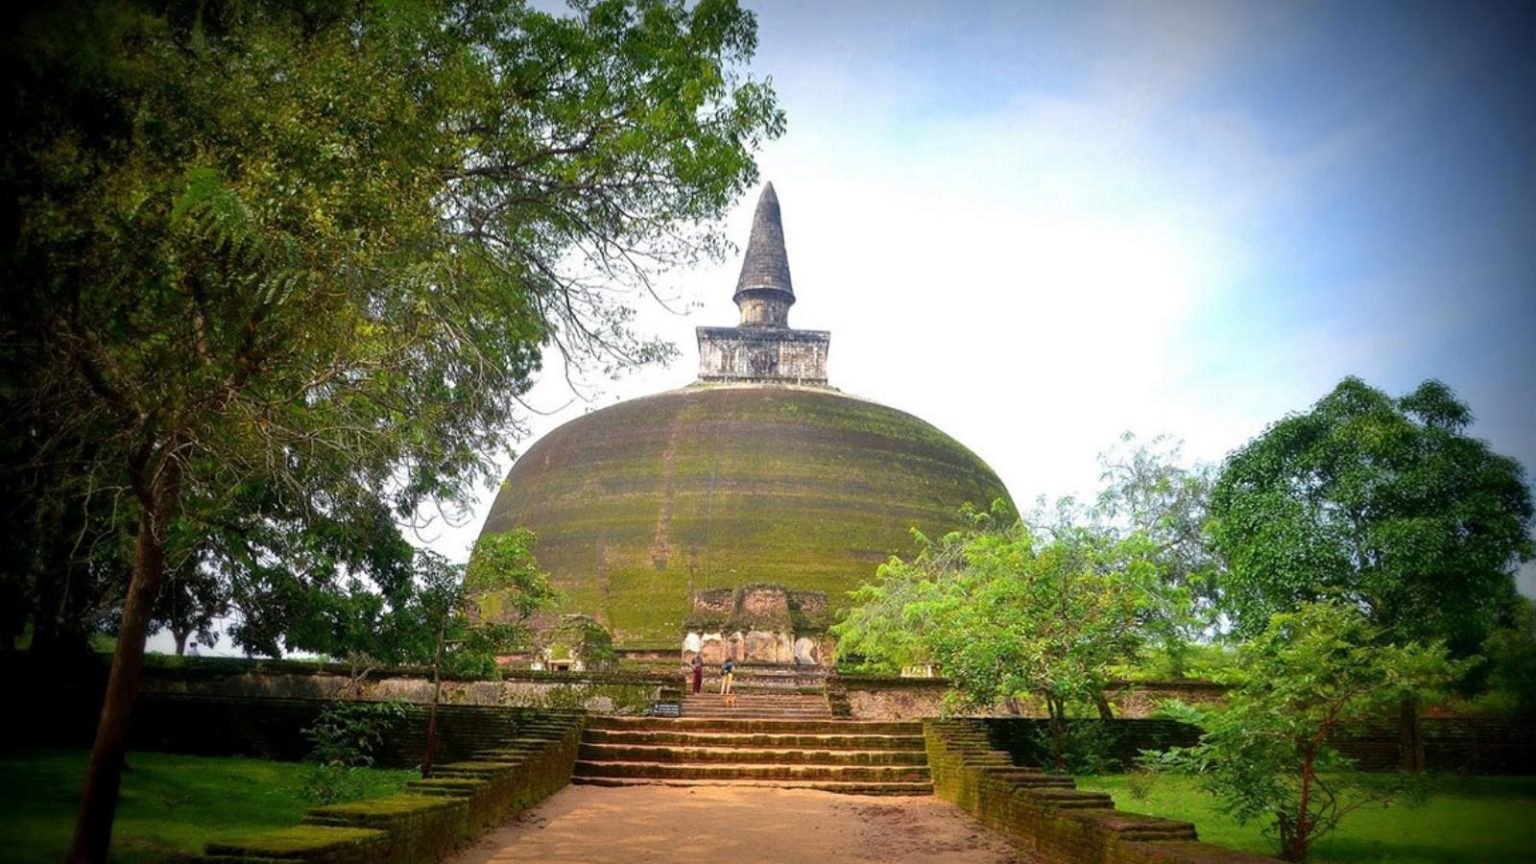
pixel 431 817
pixel 1048 815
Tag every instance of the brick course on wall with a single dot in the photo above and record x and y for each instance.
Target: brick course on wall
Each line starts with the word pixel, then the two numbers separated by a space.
pixel 1484 745
pixel 1047 815
pixel 1472 745
pixel 432 817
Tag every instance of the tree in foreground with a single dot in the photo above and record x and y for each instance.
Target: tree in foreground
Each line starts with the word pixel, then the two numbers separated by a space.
pixel 503 574
pixel 1385 503
pixel 280 271
pixel 1010 613
pixel 1266 752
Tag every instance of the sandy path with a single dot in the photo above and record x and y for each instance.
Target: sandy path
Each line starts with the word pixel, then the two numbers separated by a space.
pixel 713 823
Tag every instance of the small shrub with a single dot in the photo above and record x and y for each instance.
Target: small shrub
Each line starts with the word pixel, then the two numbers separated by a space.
pixel 1139 783
pixel 1087 746
pixel 344 737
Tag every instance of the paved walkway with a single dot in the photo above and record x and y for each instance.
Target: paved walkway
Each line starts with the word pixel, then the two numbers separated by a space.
pixel 714 823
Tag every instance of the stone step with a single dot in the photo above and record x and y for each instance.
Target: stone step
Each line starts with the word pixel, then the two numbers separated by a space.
pixel 748 771
pixel 753 739
pixel 840 787
pixel 756 711
pixel 772 727
pixel 774 756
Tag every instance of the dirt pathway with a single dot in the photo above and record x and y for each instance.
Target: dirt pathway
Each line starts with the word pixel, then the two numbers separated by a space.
pixel 713 823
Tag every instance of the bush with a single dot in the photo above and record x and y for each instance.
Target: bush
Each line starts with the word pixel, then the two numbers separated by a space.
pixel 1087 746
pixel 344 737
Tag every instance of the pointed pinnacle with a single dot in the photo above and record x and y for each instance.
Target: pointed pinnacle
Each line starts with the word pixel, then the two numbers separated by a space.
pixel 766 266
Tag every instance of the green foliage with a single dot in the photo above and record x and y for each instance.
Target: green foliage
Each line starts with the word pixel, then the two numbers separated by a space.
pixel 1467 820
pixel 1080 747
pixel 1512 659
pixel 309 258
pixel 1381 502
pixel 279 273
pixel 171 806
pixel 1148 490
pixel 1266 753
pixel 501 566
pixel 1008 614
pixel 344 737
pixel 1174 659
pixel 582 637
pixel 346 732
pixel 1140 782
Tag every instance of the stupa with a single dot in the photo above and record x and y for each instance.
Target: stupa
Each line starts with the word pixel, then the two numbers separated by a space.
pixel 749 502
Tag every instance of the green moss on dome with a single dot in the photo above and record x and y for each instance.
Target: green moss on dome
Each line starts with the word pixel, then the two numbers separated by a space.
pixel 639 504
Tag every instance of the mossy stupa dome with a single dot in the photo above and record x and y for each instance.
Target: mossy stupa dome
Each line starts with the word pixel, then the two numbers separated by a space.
pixel 758 473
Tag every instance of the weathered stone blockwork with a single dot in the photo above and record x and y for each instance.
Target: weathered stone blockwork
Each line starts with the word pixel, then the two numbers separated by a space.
pixel 433 817
pixel 729 354
pixel 1047 814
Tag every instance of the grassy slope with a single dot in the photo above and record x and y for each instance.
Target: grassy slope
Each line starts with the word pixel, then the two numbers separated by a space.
pixel 639 503
pixel 170 803
pixel 1468 819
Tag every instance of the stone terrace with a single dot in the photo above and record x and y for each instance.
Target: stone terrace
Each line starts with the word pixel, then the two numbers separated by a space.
pixel 829 755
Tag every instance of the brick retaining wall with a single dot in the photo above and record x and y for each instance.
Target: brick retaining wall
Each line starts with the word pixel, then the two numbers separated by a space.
pixel 432 817
pixel 1048 815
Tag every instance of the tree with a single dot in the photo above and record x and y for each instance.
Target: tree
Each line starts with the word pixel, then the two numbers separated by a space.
pixel 1512 659
pixel 1147 488
pixel 1385 503
pixel 191 600
pixel 1009 612
pixel 281 271
pixel 581 639
pixel 503 575
pixel 1267 750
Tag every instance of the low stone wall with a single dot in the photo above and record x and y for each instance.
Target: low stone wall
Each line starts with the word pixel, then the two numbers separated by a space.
pixel 892 699
pixel 432 817
pixel 232 706
pixel 1469 745
pixel 1048 815
pixel 873 697
pixel 596 692
pixel 268 728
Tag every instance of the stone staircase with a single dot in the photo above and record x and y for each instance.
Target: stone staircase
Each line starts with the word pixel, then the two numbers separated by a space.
pixel 759 705
pixel 772 678
pixel 776 750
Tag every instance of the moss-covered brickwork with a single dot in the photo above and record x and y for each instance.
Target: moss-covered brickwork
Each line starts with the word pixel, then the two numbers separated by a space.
pixel 432 817
pixel 1048 815
pixel 640 504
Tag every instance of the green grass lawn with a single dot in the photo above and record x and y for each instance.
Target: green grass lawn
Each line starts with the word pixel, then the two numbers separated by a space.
pixel 169 803
pixel 1466 819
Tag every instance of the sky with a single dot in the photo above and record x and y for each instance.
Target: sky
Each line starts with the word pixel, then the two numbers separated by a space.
pixel 1039 225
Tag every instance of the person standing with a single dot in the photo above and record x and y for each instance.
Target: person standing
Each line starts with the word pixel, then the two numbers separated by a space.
pixel 698 673
pixel 727 669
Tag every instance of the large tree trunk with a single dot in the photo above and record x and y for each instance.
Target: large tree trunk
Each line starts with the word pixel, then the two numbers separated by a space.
pixel 181 641
pixel 1410 737
pixel 104 772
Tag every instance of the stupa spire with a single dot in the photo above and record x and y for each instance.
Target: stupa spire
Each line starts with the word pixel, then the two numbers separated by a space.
pixel 764 291
pixel 763 349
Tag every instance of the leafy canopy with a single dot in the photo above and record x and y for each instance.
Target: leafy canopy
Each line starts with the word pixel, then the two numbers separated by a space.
pixel 1008 611
pixel 282 270
pixel 1381 502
